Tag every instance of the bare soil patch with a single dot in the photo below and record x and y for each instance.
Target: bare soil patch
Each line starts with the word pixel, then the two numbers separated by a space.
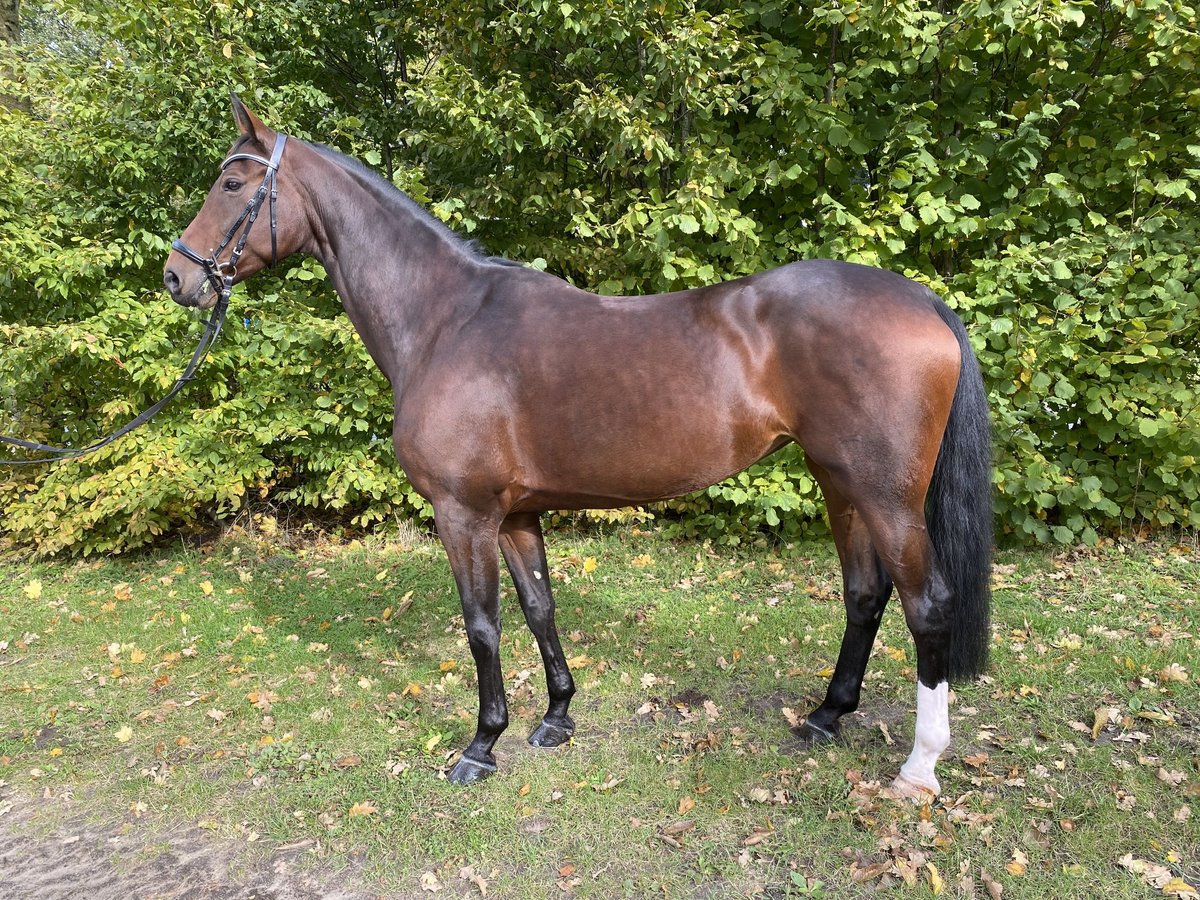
pixel 53 848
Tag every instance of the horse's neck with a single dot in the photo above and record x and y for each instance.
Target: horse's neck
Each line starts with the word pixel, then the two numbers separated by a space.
pixel 402 280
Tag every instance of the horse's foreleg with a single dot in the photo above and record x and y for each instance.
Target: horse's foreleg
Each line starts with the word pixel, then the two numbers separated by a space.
pixel 470 542
pixel 866 588
pixel 525 552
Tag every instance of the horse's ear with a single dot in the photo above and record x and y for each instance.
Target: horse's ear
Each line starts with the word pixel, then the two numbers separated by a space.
pixel 248 123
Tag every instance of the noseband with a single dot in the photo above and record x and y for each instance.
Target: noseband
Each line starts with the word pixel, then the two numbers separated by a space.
pixel 221 274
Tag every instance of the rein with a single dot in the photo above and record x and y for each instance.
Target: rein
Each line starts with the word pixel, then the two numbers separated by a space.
pixel 220 275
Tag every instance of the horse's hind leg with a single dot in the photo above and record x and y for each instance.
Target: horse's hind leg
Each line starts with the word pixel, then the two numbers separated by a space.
pixel 525 552
pixel 903 544
pixel 866 587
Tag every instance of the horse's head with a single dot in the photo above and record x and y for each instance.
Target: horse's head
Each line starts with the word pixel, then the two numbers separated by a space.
pixel 223 245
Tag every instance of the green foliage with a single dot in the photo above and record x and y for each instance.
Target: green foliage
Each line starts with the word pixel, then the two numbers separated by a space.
pixel 1035 163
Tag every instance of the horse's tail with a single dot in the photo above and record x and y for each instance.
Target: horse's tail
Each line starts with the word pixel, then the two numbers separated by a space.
pixel 959 513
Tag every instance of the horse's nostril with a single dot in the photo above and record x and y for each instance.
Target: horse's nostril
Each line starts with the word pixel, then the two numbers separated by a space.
pixel 171 280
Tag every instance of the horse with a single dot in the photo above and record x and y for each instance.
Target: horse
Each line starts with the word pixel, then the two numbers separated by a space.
pixel 517 393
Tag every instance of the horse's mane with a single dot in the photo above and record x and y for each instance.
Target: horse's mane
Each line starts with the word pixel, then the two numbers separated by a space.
pixel 405 205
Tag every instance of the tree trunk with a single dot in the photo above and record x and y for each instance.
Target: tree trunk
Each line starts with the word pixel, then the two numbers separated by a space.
pixel 10 21
pixel 10 33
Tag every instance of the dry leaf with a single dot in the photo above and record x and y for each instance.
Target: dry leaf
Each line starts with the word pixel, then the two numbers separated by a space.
pixel 429 882
pixel 1152 873
pixel 1177 887
pixel 760 834
pixel 935 879
pixel 206 587
pixel 686 805
pixel 1174 672
pixel 124 734
pixel 1018 864
pixel 468 873
pixel 362 808
pixel 33 590
pixel 608 784
pixel 589 564
pixel 994 888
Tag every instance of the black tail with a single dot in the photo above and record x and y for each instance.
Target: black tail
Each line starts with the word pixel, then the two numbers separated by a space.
pixel 959 513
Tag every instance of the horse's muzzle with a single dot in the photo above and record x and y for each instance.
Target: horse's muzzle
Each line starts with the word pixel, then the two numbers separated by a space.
pixel 198 295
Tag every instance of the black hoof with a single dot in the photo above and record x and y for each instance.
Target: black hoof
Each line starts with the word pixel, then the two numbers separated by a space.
pixel 469 771
pixel 547 734
pixel 808 734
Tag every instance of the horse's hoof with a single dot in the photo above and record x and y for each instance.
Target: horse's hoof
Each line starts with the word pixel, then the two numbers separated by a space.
pixel 810 735
pixel 903 789
pixel 469 771
pixel 547 734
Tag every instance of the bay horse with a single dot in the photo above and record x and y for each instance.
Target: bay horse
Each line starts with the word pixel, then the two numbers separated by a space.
pixel 516 393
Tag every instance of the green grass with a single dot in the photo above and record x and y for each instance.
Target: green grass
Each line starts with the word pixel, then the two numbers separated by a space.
pixel 264 690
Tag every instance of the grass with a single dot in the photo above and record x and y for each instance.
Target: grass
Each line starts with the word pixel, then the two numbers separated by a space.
pixel 278 694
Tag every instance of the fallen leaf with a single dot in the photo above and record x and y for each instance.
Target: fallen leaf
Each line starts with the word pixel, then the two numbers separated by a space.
pixel 686 805
pixel 680 827
pixel 758 835
pixel 124 734
pixel 468 873
pixel 206 587
pixel 1155 875
pixel 429 882
pixel 33 590
pixel 994 888
pixel 608 784
pixel 935 879
pixel 1174 672
pixel 589 564
pixel 447 664
pixel 362 808
pixel 1018 864
pixel 137 656
pixel 1180 888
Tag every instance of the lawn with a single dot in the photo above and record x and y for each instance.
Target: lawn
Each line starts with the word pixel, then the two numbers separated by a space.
pixel 308 695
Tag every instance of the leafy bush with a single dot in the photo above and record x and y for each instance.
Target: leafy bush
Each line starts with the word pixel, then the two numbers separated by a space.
pixel 1034 163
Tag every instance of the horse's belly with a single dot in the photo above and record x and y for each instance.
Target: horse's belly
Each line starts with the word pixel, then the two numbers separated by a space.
pixel 622 468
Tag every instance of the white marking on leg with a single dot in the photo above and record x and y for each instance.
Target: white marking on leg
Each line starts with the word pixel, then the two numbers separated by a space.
pixel 932 737
pixel 537 574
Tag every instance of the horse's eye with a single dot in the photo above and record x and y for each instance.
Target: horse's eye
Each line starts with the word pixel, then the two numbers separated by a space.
pixel 232 185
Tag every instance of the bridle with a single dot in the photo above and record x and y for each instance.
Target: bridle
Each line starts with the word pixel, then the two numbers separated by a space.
pixel 220 275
